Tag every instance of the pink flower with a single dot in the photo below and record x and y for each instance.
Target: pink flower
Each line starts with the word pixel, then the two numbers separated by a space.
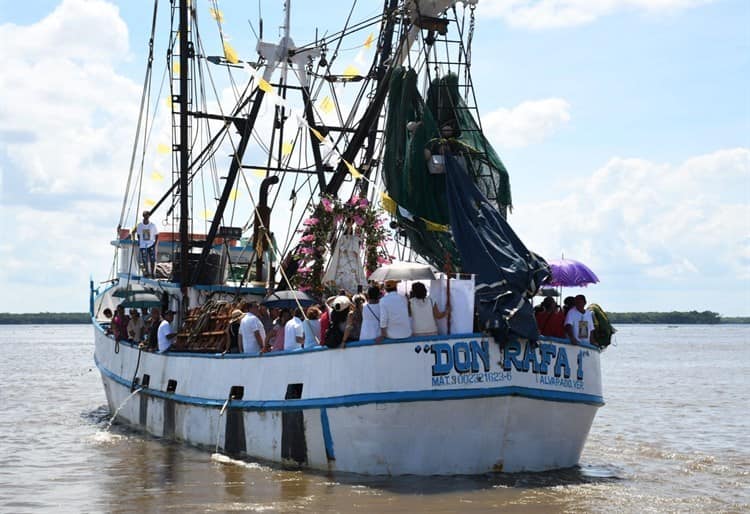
pixel 378 223
pixel 304 270
pixel 383 260
pixel 306 250
pixel 363 202
pixel 304 288
pixel 359 220
pixel 354 200
pixel 327 205
pixel 308 238
pixel 309 222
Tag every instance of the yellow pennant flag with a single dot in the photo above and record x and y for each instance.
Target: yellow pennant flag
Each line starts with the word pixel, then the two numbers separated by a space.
pixel 352 169
pixel 317 134
pixel 162 148
pixel 176 68
pixel 435 227
pixel 208 214
pixel 168 101
pixel 155 175
pixel 286 149
pixel 149 203
pixel 350 71
pixel 389 204
pixel 265 86
pixel 216 14
pixel 326 105
pixel 230 54
pixel 233 194
pixel 369 40
pixel 259 173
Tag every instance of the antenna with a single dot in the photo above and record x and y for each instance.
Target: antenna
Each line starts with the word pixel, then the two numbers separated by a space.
pixel 260 21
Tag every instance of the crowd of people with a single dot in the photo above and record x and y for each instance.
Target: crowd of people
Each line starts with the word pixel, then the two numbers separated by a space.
pixel 381 313
pixel 151 329
pixel 377 315
pixel 341 319
pixel 572 321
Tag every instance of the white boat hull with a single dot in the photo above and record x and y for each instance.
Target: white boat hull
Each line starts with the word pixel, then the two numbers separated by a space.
pixel 439 405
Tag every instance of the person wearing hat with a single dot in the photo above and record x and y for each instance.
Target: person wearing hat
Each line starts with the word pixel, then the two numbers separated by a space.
pixel 233 332
pixel 165 334
pixel 148 237
pixel 394 314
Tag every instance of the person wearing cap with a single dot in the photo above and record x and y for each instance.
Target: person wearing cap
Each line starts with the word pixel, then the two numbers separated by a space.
pixel 148 237
pixel 394 314
pixel 233 332
pixel 165 334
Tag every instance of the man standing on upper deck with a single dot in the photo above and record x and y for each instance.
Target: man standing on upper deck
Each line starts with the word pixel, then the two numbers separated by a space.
pixel 394 314
pixel 579 323
pixel 148 237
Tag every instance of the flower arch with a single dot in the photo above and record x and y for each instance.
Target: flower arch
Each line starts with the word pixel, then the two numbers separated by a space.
pixel 315 242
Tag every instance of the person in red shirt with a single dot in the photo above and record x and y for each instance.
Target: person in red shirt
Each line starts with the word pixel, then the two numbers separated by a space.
pixel 551 319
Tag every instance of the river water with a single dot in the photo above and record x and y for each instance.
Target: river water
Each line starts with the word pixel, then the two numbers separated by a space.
pixel 673 437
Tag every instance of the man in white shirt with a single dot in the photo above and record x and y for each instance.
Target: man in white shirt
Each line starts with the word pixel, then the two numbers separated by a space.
pixel 394 314
pixel 294 333
pixel 252 333
pixel 579 323
pixel 148 236
pixel 165 334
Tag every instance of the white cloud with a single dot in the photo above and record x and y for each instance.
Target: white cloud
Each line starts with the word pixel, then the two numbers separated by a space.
pixel 66 127
pixel 527 123
pixel 66 96
pixel 543 14
pixel 689 220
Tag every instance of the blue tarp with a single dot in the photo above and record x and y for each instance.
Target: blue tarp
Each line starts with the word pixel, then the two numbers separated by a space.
pixel 507 273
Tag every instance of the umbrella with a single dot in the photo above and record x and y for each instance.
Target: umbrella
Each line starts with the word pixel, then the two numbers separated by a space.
pixel 141 300
pixel 570 273
pixel 288 300
pixel 403 271
pixel 126 290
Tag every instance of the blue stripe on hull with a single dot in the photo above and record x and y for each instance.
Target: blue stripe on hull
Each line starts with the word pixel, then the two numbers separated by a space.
pixel 351 400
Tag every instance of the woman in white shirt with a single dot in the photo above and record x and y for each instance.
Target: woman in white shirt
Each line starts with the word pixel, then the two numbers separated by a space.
pixel 424 313
pixel 371 315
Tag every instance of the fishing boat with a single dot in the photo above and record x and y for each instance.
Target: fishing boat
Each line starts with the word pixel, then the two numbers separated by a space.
pixel 300 158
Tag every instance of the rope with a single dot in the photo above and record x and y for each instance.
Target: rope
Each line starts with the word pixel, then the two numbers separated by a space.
pixel 146 82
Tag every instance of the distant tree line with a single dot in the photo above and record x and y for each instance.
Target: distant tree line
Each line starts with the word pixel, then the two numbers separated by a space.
pixel 45 318
pixel 669 318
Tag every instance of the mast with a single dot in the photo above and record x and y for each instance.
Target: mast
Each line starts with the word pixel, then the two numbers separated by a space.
pixel 185 49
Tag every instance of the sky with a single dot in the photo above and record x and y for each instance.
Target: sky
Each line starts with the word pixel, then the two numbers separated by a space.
pixel 624 125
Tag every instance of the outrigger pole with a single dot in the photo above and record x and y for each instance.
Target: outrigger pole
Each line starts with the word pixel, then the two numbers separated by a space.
pixel 185 48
